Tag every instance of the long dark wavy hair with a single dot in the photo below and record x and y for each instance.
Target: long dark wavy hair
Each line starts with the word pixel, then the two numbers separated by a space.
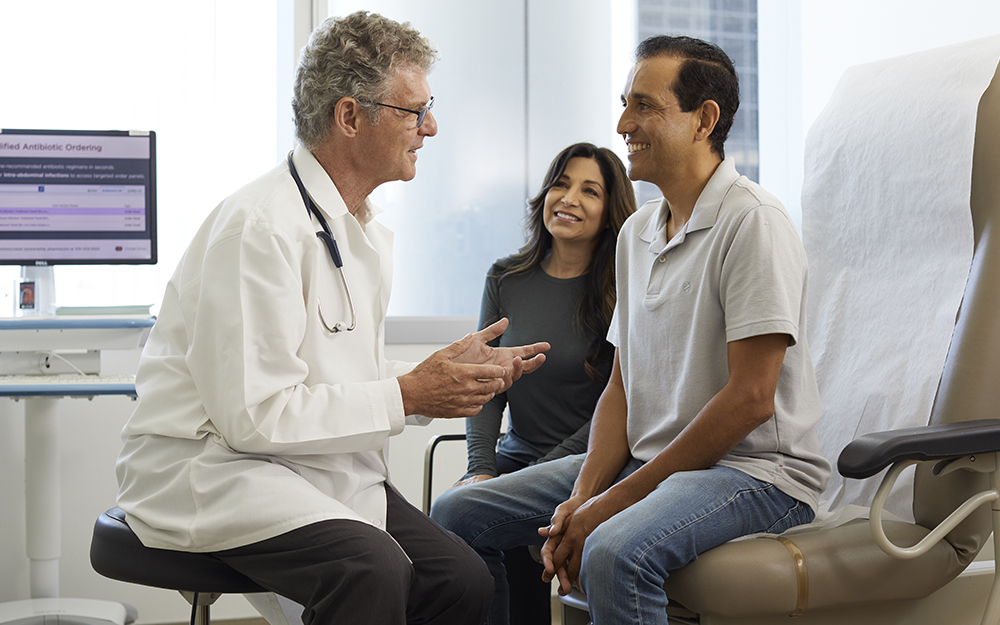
pixel 593 313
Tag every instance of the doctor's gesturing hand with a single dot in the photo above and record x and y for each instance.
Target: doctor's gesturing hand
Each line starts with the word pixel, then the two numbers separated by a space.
pixel 457 380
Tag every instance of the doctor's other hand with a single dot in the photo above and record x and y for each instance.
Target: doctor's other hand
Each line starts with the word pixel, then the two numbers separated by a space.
pixel 456 381
pixel 475 348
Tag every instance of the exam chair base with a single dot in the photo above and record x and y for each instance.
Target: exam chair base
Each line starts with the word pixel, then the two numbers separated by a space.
pixel 960 602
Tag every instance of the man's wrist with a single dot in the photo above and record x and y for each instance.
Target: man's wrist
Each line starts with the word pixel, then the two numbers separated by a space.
pixel 589 485
pixel 630 491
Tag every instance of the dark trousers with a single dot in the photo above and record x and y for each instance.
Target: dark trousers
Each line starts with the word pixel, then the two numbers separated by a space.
pixel 345 571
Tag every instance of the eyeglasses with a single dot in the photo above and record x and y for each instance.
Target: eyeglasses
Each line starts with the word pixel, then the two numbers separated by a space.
pixel 421 114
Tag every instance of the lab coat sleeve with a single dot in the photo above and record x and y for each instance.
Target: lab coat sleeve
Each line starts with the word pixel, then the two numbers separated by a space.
pixel 244 337
pixel 396 368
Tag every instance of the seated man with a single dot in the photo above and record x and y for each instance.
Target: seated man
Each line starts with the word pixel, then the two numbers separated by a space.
pixel 706 430
pixel 265 398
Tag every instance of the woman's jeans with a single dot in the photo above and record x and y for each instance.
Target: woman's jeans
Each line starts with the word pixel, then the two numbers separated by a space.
pixel 628 557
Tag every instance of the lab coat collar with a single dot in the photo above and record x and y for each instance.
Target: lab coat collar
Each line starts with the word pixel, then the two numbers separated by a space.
pixel 323 192
pixel 704 215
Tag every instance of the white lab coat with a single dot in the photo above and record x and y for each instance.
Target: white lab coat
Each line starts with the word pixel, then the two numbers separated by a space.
pixel 252 419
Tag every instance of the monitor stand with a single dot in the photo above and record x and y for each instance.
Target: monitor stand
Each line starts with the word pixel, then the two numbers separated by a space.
pixel 37 295
pixel 42 470
pixel 43 540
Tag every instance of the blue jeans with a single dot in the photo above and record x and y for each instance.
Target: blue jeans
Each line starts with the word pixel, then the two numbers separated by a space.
pixel 626 559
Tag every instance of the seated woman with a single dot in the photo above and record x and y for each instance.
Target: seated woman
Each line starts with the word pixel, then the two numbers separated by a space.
pixel 560 287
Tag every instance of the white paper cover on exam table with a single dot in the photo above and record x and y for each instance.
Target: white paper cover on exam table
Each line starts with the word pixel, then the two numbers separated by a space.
pixel 254 420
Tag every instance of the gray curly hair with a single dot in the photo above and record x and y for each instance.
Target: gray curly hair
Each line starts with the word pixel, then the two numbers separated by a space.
pixel 353 56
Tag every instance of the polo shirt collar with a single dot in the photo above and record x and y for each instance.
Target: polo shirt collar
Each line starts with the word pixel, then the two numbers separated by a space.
pixel 655 231
pixel 706 209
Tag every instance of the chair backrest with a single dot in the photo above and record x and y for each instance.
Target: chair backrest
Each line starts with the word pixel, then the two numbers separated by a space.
pixel 969 388
pixel 890 237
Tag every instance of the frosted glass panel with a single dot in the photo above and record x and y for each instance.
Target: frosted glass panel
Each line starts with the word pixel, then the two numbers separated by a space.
pixel 517 82
pixel 464 208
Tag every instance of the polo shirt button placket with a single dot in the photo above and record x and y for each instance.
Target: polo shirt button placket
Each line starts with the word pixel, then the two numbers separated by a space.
pixel 657 275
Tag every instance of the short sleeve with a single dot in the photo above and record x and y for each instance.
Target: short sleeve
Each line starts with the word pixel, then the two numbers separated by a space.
pixel 763 279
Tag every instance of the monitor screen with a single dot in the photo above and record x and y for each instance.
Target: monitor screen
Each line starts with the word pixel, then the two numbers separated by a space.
pixel 77 197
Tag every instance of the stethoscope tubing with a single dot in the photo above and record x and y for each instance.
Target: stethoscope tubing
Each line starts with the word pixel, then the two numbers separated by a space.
pixel 325 235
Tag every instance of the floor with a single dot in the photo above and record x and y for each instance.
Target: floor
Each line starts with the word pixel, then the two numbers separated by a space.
pixel 556 620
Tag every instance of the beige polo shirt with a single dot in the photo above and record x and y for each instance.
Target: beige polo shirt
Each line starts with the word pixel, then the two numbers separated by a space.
pixel 737 269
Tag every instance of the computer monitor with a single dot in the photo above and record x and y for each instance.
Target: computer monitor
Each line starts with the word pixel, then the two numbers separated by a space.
pixel 77 197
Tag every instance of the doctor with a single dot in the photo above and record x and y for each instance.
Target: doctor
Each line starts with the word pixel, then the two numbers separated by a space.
pixel 265 398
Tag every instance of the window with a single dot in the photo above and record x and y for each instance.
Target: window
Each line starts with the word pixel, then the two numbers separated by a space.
pixel 516 83
pixel 183 69
pixel 463 210
pixel 732 25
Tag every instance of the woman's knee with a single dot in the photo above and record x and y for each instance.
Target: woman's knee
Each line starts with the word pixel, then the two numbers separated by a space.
pixel 466 511
pixel 450 509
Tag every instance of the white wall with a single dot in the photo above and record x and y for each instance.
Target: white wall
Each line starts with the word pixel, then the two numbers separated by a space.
pixel 574 76
pixel 837 35
pixel 779 92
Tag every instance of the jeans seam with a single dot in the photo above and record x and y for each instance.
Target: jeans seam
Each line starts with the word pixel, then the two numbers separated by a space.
pixel 787 515
pixel 765 487
pixel 500 523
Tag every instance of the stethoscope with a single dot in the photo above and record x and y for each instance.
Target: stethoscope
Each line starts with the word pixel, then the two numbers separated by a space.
pixel 327 237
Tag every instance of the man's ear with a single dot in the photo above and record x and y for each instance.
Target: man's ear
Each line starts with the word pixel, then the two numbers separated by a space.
pixel 347 117
pixel 708 116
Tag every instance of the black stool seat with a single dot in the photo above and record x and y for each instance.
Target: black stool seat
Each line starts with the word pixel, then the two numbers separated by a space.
pixel 116 552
